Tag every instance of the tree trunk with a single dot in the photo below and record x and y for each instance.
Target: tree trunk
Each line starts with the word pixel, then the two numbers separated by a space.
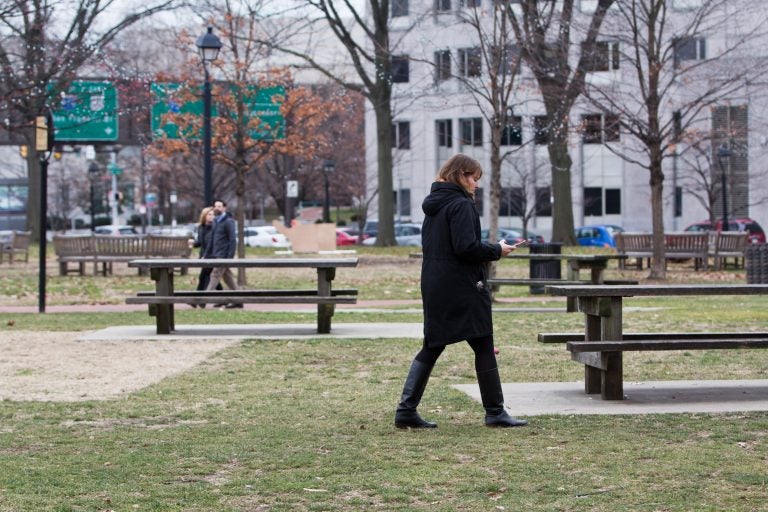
pixel 658 264
pixel 386 230
pixel 494 195
pixel 562 209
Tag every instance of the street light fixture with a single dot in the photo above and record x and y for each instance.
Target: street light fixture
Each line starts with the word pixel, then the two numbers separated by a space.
pixel 93 174
pixel 328 167
pixel 209 46
pixel 723 153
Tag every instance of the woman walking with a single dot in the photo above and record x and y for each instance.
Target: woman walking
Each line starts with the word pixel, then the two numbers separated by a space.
pixel 204 241
pixel 455 294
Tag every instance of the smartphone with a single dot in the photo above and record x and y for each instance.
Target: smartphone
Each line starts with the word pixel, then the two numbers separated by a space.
pixel 521 243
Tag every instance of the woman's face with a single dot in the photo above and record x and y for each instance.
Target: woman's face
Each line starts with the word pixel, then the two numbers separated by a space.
pixel 470 182
pixel 209 217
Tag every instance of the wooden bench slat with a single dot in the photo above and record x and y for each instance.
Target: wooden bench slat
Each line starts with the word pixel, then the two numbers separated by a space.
pixel 667 344
pixel 251 293
pixel 564 337
pixel 524 281
pixel 241 299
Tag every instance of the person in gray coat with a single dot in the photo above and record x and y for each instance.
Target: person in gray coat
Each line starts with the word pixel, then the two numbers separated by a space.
pixel 223 243
pixel 455 294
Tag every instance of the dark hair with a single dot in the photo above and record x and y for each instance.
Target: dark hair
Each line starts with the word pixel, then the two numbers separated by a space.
pixel 456 167
pixel 223 203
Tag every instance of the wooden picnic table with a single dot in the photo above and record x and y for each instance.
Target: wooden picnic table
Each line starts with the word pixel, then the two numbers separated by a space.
pixel 162 301
pixel 575 263
pixel 601 346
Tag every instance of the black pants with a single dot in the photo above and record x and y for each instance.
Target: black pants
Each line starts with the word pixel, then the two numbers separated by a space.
pixel 485 359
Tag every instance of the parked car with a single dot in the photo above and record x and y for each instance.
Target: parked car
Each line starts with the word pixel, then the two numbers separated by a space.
pixel 115 230
pixel 185 230
pixel 513 236
pixel 599 235
pixel 343 237
pixel 264 236
pixel 755 231
pixel 405 234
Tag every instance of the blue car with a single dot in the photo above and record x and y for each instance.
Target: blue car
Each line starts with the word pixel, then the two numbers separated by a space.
pixel 600 235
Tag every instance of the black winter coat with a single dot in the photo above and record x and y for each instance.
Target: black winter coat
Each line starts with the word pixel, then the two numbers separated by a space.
pixel 454 288
pixel 203 239
pixel 224 238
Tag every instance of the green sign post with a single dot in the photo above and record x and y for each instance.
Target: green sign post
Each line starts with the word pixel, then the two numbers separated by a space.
pixel 87 113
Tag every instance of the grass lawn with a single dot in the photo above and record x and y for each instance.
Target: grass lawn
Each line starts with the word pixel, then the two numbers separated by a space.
pixel 307 425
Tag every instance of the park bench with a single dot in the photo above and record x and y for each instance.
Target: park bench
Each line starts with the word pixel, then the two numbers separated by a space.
pixel 600 347
pixel 639 246
pixel 17 243
pixel 105 250
pixel 726 245
pixel 163 299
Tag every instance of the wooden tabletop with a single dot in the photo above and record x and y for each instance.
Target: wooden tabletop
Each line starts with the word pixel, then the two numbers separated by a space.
pixel 579 257
pixel 244 262
pixel 657 289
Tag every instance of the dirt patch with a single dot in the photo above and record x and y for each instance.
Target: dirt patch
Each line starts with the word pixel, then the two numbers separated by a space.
pixel 54 366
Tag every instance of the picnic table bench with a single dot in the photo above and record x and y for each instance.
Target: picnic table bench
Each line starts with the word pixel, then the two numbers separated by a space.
pixel 161 302
pixel 603 342
pixel 103 251
pixel 575 263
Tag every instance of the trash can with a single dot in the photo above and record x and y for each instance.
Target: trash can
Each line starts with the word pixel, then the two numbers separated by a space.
pixel 544 268
pixel 756 261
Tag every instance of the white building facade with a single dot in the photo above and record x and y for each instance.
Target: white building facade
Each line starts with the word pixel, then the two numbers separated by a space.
pixel 436 116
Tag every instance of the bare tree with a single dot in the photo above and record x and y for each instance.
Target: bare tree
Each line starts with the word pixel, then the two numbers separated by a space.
pixel 673 83
pixel 543 30
pixel 493 90
pixel 364 32
pixel 43 45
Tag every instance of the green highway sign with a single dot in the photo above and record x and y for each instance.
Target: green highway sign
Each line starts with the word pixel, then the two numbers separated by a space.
pixel 262 104
pixel 169 100
pixel 87 113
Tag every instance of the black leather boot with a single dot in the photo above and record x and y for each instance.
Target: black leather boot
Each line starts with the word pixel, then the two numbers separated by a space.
pixel 493 401
pixel 406 415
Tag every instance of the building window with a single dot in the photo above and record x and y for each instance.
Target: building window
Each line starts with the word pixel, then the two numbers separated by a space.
pixel 540 130
pixel 613 201
pixel 401 135
pixel 512 133
pixel 442 5
pixel 599 128
pixel 544 201
pixel 470 3
pixel 400 69
pixel 677 125
pixel 603 56
pixel 509 59
pixel 512 202
pixel 593 201
pixel 399 8
pixel 444 129
pixel 403 203
pixel 470 62
pixel 471 131
pixel 689 48
pixel 442 65
pixel 678 201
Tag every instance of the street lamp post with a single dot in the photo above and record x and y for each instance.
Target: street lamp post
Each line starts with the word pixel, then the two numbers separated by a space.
pixel 724 152
pixel 328 167
pixel 173 198
pixel 209 46
pixel 93 175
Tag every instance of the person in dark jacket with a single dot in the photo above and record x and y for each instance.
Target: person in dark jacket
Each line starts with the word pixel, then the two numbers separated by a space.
pixel 202 241
pixel 455 294
pixel 222 245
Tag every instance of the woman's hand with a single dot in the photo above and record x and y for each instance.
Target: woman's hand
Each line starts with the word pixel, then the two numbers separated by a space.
pixel 505 247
